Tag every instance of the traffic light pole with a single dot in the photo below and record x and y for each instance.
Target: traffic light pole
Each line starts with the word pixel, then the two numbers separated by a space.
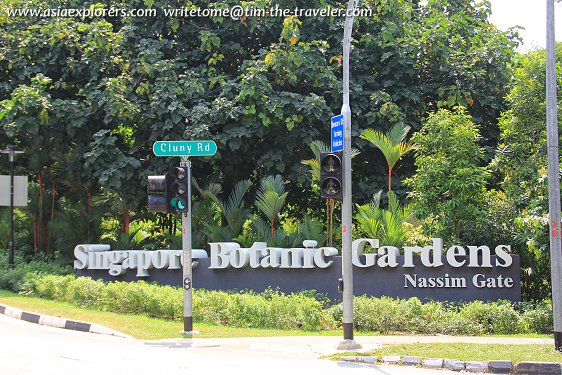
pixel 187 261
pixel 347 266
pixel 553 177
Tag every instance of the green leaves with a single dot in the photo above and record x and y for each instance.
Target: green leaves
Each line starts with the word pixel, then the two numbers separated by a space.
pixel 27 109
pixel 390 144
pixel 448 187
pixel 109 165
pixel 291 32
pixel 386 225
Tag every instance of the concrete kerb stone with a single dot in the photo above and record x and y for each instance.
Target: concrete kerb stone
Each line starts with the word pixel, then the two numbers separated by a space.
pixel 14 313
pixel 472 366
pixel 453 364
pixel 494 367
pixel 57 322
pixel 367 359
pixel 542 368
pixel 433 362
pixel 500 367
pixel 52 321
pixel 391 359
pixel 411 360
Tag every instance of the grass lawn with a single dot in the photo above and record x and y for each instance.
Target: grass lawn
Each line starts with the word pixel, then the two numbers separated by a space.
pixel 471 352
pixel 141 326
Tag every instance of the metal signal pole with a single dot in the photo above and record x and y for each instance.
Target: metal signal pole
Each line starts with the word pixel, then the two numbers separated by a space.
pixel 347 266
pixel 11 151
pixel 187 261
pixel 553 176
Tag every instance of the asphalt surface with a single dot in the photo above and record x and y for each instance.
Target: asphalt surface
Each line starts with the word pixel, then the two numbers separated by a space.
pixel 28 348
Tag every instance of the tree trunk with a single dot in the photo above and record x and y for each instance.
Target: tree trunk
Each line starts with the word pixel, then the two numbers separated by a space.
pixel 126 221
pixel 40 215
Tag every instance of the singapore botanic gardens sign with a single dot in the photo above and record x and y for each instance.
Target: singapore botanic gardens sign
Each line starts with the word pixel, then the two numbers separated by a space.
pixel 456 273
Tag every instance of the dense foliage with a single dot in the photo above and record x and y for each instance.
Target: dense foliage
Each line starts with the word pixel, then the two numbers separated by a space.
pixel 521 169
pixel 85 98
pixel 305 310
pixel 448 187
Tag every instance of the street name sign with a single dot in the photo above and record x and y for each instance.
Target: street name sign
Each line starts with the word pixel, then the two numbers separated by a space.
pixel 337 133
pixel 184 148
pixel 20 191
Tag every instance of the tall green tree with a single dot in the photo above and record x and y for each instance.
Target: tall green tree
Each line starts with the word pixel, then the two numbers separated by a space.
pixel 520 166
pixel 448 187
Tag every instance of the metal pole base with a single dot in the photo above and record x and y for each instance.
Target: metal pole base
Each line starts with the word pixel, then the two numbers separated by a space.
pixel 348 345
pixel 189 334
pixel 558 341
pixel 11 254
pixel 348 342
pixel 188 327
pixel 188 323
pixel 348 331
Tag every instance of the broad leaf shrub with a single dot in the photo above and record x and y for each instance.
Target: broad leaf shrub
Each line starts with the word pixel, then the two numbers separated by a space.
pixel 497 317
pixel 270 309
pixel 387 315
pixel 13 279
pixel 306 310
pixel 536 317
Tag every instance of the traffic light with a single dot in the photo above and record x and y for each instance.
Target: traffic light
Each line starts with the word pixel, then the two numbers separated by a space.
pixel 157 193
pixel 331 175
pixel 177 194
pixel 168 193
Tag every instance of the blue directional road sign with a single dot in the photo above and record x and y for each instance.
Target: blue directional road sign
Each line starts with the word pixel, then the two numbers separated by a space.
pixel 184 148
pixel 337 133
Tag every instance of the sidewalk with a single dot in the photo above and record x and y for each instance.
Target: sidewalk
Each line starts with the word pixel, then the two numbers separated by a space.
pixel 326 345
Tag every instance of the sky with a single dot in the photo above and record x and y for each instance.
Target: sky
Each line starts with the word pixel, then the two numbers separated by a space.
pixel 530 14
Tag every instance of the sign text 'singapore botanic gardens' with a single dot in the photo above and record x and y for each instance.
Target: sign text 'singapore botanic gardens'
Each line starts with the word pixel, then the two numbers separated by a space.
pixel 432 271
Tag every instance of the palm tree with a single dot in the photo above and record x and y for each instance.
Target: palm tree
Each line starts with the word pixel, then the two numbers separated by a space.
pixel 231 209
pixel 391 144
pixel 386 225
pixel 270 199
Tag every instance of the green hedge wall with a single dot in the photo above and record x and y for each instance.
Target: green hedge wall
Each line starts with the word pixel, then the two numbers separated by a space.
pixel 305 310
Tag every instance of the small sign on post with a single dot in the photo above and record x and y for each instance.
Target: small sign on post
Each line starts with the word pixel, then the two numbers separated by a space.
pixel 184 148
pixel 20 191
pixel 337 133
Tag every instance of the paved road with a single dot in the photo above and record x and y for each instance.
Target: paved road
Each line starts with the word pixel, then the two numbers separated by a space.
pixel 27 348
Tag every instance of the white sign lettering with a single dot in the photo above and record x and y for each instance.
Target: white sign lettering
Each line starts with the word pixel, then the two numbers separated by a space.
pixel 97 257
pixel 230 254
pixel 225 255
pixel 430 256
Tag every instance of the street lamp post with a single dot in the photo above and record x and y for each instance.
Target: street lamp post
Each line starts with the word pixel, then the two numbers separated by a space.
pixel 11 151
pixel 553 176
pixel 347 266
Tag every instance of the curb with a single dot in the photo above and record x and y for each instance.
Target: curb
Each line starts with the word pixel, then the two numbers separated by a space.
pixel 56 322
pixel 492 367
